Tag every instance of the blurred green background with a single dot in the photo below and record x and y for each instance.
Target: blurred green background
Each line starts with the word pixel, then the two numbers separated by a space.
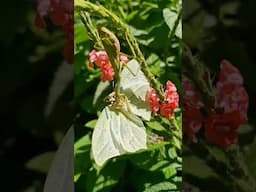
pixel 29 60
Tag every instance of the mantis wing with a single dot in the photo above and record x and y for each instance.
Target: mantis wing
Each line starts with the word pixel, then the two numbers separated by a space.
pixel 135 85
pixel 117 133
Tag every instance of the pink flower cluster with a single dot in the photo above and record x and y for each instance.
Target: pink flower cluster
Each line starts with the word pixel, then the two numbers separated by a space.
pixel 61 14
pixel 169 105
pixel 101 59
pixel 221 127
pixel 231 92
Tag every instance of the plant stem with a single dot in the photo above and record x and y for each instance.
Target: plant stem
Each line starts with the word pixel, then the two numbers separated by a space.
pixel 92 30
pixel 195 71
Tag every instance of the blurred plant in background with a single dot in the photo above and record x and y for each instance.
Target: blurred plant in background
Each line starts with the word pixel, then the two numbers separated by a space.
pixel 219 122
pixel 60 14
pixel 156 27
pixel 36 96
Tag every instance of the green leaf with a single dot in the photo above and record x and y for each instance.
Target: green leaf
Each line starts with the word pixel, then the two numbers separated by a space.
pixel 82 142
pixel 170 18
pixel 137 32
pixel 172 153
pixel 250 158
pixel 244 129
pixel 176 142
pixel 155 125
pixel 159 165
pixel 218 154
pixel 82 156
pixel 163 186
pixel 91 124
pixel 156 65
pixel 101 88
pixel 107 178
pixel 171 170
pixel 80 33
pixel 197 167
pixel 41 162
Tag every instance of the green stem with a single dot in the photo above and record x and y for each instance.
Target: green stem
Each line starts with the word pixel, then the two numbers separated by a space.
pixel 118 83
pixel 195 71
pixel 91 29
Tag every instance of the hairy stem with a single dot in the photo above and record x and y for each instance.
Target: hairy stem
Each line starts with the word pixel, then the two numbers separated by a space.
pixel 91 29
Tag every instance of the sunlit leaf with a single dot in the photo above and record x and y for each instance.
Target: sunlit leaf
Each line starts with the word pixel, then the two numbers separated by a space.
pixel 170 18
pixel 163 186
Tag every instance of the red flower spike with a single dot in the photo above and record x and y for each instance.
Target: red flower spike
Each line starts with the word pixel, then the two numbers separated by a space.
pixel 172 97
pixel 171 100
pixel 39 22
pixel 43 7
pixel 102 58
pixel 231 93
pixel 189 95
pixel 192 120
pixel 107 72
pixel 221 129
pixel 170 87
pixel 58 16
pixel 60 13
pixel 171 94
pixel 153 100
pixel 167 110
pixel 229 74
pixel 92 58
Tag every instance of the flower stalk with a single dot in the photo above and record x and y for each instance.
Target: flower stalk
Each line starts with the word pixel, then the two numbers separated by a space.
pixel 92 30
